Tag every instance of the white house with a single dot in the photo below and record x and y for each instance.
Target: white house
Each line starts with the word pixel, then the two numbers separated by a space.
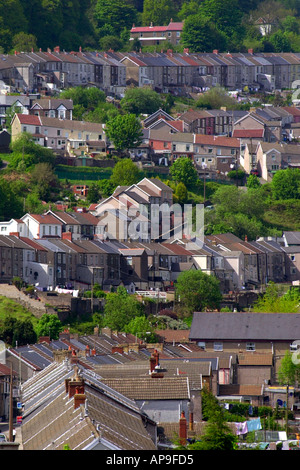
pixel 41 226
pixel 13 226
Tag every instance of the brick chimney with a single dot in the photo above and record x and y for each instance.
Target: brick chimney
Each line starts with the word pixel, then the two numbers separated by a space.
pixel 182 429
pixel 67 236
pixel 215 51
pixel 152 363
pixel 75 388
pixel 79 398
pixel 250 51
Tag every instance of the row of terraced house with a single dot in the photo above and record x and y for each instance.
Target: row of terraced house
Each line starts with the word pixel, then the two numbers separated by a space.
pixel 164 71
pixel 113 244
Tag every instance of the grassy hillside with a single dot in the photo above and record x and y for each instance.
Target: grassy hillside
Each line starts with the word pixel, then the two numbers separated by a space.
pixel 9 307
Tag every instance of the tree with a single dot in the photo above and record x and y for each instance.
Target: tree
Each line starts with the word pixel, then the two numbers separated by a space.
pixel 253 182
pixel 215 98
pixel 181 193
pixel 88 98
pixel 49 325
pixel 142 328
pixel 14 330
pixel 274 301
pixel 43 179
pixel 289 370
pixel 110 42
pixel 289 374
pixel 198 291
pixel 183 171
pixel 93 195
pixel 125 173
pixel 125 131
pixel 217 434
pixel 10 203
pixel 141 100
pixel 200 34
pixel 286 183
pixel 24 42
pixel 26 151
pixel 120 308
pixel 113 16
pixel 158 12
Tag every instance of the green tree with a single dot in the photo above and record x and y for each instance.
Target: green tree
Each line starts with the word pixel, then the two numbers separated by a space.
pixel 215 98
pixel 217 434
pixel 125 173
pixel 183 171
pixel 280 41
pixel 181 193
pixel 10 203
pixel 286 183
pixel 17 331
pixel 142 328
pixel 289 370
pixel 274 301
pixel 200 34
pixel 27 152
pixel 158 12
pixel 110 42
pixel 120 308
pixel 125 131
pixel 113 16
pixel 253 182
pixel 88 98
pixel 198 291
pixel 141 100
pixel 93 195
pixel 227 18
pixel 49 325
pixel 43 180
pixel 289 374
pixel 24 42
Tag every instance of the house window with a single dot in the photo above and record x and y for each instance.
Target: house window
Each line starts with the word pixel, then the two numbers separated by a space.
pixel 201 344
pixel 293 257
pixel 187 148
pixel 218 346
pixel 58 131
pixel 250 346
pixel 174 147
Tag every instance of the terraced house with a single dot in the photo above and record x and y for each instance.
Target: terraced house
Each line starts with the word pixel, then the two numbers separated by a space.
pixel 65 135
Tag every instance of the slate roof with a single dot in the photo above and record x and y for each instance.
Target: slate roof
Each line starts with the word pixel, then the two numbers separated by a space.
pixel 148 388
pixel 245 326
pixel 292 238
pixel 50 420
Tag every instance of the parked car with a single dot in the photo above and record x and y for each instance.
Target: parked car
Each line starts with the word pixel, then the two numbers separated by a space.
pixel 2 438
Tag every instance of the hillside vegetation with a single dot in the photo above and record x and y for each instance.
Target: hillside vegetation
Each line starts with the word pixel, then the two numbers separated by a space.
pixel 102 24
